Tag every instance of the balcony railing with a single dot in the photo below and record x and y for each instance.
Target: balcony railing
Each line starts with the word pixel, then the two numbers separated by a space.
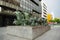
pixel 3 3
pixel 9 12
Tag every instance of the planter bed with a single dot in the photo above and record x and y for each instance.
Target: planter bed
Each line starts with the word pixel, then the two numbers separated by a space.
pixel 25 32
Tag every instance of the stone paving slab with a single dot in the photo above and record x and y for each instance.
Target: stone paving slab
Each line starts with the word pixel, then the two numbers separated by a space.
pixel 53 34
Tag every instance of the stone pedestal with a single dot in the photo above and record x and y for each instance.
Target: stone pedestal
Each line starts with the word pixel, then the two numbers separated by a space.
pixel 25 32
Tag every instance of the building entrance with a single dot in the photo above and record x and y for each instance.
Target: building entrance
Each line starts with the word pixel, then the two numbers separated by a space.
pixel 6 20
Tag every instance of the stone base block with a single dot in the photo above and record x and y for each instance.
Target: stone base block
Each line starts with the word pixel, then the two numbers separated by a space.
pixel 25 32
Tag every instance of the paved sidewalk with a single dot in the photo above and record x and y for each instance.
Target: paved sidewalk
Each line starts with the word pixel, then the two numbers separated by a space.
pixel 53 34
pixel 2 32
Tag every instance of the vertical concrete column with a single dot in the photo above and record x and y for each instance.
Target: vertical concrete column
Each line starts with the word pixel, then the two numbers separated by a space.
pixel 1 21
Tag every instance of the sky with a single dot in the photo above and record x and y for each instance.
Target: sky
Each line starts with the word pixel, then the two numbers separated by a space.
pixel 53 6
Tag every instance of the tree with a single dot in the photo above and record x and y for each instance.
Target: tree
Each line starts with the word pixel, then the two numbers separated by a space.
pixel 52 21
pixel 55 20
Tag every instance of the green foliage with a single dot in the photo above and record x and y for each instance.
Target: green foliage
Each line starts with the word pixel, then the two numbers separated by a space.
pixel 52 20
pixel 44 22
pixel 28 19
pixel 55 20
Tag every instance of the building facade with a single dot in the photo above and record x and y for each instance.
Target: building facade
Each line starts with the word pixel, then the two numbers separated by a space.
pixel 31 5
pixel 44 10
pixel 7 7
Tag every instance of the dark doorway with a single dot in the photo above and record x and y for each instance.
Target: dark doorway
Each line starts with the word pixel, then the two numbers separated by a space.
pixel 6 20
